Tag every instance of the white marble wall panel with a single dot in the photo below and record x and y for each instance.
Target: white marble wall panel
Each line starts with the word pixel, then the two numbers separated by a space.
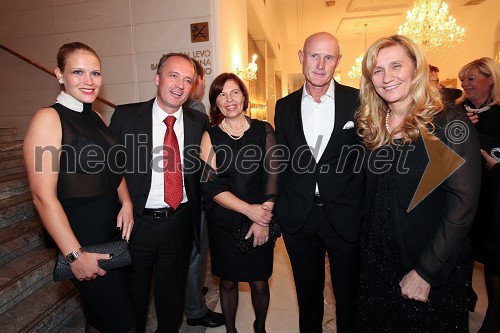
pixel 28 100
pixel 106 42
pixel 20 78
pixel 147 90
pixel 27 23
pixel 159 36
pixel 8 6
pixel 93 15
pixel 119 93
pixel 68 2
pixel 146 11
pixel 40 49
pixel 19 122
pixel 117 69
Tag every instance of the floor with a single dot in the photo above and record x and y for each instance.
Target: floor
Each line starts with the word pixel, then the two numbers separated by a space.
pixel 283 310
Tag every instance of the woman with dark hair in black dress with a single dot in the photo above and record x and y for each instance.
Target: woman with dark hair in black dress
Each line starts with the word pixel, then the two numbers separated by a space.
pixel 240 188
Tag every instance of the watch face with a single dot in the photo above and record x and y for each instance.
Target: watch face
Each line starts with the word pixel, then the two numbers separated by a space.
pixel 71 257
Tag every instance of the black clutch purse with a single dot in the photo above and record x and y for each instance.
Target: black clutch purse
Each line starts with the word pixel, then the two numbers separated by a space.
pixel 119 249
pixel 240 230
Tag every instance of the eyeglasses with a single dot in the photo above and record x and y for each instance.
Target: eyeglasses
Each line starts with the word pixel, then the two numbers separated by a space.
pixel 235 93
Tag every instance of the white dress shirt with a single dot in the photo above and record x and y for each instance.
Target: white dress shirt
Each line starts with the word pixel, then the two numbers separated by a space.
pixel 156 192
pixel 318 120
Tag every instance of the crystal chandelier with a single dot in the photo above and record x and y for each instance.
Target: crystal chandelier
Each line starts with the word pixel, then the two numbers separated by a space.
pixel 430 25
pixel 250 72
pixel 355 72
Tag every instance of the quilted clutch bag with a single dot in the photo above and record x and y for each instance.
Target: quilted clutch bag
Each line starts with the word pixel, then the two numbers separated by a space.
pixel 240 230
pixel 119 250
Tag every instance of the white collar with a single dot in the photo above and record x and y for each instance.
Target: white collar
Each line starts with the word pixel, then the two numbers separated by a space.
pixel 69 101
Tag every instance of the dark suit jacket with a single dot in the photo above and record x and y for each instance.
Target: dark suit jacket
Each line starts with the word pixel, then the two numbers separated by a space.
pixel 450 95
pixel 132 124
pixel 340 187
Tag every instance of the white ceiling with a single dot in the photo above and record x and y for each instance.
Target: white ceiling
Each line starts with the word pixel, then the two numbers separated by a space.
pixel 298 19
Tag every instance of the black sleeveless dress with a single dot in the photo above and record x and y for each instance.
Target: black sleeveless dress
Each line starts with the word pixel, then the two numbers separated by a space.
pixel 243 168
pixel 91 169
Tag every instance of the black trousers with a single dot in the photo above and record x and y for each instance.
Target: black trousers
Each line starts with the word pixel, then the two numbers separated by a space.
pixel 307 250
pixel 161 248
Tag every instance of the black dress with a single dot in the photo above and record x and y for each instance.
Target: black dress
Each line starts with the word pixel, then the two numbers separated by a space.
pixel 245 170
pixel 91 168
pixel 488 128
pixel 430 237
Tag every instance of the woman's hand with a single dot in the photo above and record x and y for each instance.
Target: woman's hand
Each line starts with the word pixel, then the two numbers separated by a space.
pixel 86 266
pixel 490 161
pixel 474 118
pixel 259 214
pixel 125 220
pixel 414 287
pixel 260 234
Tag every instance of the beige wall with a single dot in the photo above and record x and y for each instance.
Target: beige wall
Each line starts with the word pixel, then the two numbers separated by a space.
pixel 129 35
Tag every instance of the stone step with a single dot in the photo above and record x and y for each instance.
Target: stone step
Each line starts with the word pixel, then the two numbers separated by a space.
pixel 16 208
pixel 7 134
pixel 19 238
pixel 13 184
pixel 11 161
pixel 46 310
pixel 18 151
pixel 11 164
pixel 21 277
pixel 11 145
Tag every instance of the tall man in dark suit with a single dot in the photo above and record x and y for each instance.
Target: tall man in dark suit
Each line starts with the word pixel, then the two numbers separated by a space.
pixel 163 180
pixel 320 190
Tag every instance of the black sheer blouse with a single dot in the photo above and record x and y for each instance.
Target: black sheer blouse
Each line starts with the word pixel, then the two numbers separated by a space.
pixel 246 167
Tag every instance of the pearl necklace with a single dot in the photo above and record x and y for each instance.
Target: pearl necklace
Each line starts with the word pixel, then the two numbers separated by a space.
pixel 239 133
pixel 476 111
pixel 387 122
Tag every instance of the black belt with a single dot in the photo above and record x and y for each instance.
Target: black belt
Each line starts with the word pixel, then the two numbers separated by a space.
pixel 317 200
pixel 162 212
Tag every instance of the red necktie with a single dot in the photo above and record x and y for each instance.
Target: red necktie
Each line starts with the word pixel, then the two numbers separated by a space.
pixel 172 175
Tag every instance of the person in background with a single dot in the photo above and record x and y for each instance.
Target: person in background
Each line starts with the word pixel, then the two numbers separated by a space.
pixel 320 194
pixel 481 84
pixel 81 203
pixel 161 139
pixel 198 90
pixel 195 309
pixel 448 95
pixel 239 188
pixel 416 260
pixel 491 323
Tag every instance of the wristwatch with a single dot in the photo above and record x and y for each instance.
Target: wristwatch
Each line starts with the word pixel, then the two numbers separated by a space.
pixel 72 256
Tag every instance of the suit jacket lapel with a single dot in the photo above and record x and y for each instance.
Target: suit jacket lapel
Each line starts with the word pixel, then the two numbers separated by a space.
pixel 296 111
pixel 189 138
pixel 340 120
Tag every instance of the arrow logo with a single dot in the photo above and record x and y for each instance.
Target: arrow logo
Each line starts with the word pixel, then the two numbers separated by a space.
pixel 443 162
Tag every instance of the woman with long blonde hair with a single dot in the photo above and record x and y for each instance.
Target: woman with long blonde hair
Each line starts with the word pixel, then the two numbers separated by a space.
pixel 420 197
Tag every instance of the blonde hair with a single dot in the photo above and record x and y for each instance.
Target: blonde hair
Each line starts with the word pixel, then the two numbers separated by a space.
pixel 489 68
pixel 425 104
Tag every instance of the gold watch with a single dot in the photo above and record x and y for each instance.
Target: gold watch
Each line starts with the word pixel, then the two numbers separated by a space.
pixel 72 256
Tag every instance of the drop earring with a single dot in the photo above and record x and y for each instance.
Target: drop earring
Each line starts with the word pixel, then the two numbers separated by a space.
pixel 61 80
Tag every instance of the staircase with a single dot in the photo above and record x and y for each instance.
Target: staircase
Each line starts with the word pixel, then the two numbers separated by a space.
pixel 29 300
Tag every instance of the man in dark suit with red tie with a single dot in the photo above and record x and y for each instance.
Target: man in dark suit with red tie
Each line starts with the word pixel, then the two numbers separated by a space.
pixel 319 203
pixel 162 140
